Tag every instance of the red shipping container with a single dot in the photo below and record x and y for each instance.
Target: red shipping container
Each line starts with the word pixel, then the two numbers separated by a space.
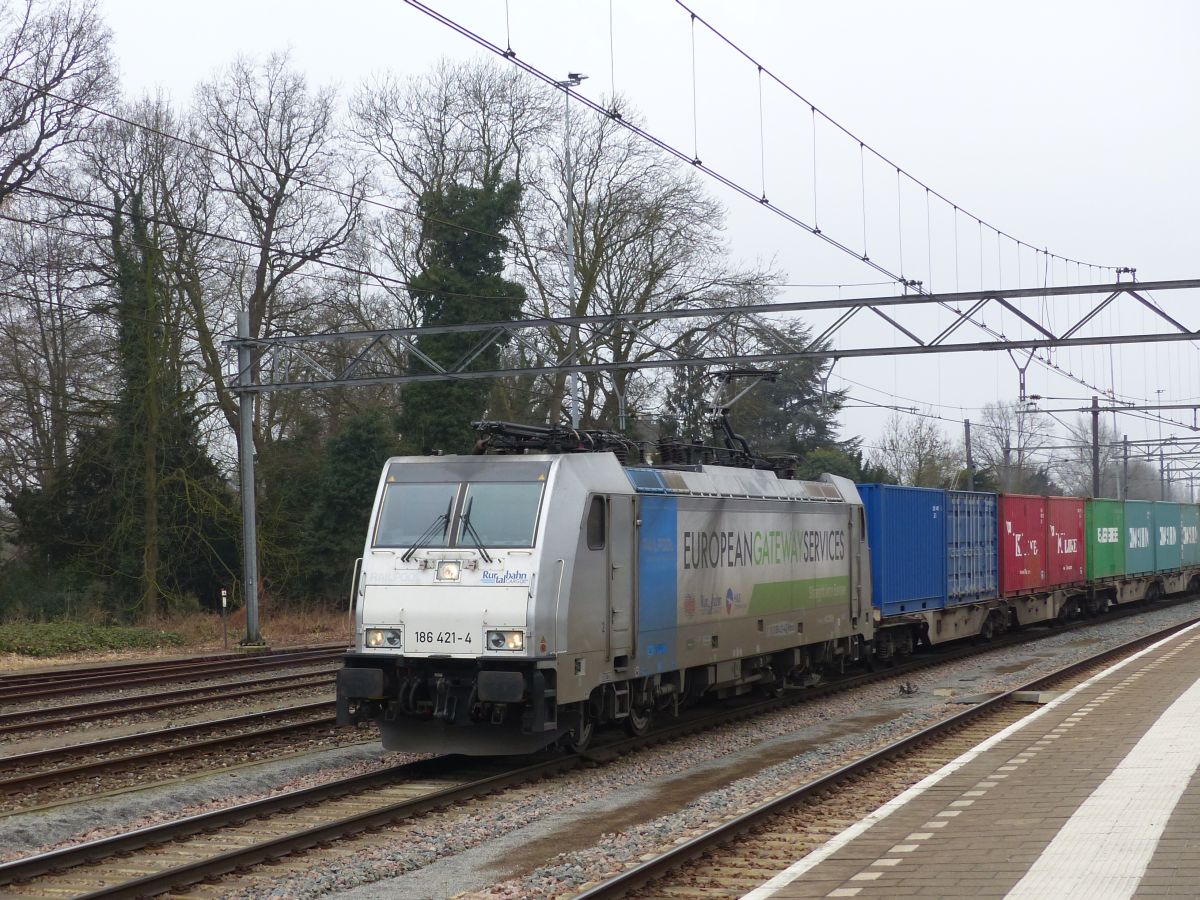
pixel 1065 544
pixel 1022 544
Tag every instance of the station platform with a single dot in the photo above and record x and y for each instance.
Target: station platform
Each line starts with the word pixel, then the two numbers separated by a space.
pixel 1091 795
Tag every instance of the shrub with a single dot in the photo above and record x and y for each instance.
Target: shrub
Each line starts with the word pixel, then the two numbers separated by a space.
pixel 61 638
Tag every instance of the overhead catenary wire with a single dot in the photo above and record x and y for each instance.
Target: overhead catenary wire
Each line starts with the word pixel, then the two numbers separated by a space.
pixel 378 203
pixel 695 101
pixel 358 271
pixel 166 222
pixel 813 113
pixel 816 225
pixel 716 32
pixel 508 54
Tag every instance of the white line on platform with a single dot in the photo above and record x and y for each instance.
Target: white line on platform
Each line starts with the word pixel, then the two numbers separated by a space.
pixel 836 843
pixel 1103 849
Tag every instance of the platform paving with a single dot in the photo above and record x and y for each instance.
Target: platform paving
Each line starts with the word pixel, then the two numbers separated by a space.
pixel 1093 795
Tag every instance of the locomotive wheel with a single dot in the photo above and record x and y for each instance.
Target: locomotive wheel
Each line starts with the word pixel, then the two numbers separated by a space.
pixel 770 689
pixel 639 720
pixel 580 737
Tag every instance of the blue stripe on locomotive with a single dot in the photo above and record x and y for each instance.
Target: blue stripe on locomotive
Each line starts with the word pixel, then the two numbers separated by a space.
pixel 657 587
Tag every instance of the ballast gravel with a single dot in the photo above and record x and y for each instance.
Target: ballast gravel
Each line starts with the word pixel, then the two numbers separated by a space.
pixel 23 834
pixel 548 839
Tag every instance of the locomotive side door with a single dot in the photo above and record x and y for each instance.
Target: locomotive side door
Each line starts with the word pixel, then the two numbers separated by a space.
pixel 854 560
pixel 621 543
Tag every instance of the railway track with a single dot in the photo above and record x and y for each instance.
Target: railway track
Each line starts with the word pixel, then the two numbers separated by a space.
pixel 184 852
pixel 238 837
pixel 67 715
pixel 49 775
pixel 742 853
pixel 37 686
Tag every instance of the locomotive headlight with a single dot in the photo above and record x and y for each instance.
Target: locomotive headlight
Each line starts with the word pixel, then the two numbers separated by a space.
pixel 506 640
pixel 384 637
pixel 449 570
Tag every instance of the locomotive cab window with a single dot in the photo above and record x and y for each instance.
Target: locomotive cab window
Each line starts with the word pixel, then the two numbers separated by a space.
pixel 413 512
pixel 595 524
pixel 499 514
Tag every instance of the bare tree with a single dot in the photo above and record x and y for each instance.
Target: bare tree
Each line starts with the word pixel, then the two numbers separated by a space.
pixel 131 166
pixel 1138 480
pixel 53 363
pixel 459 123
pixel 1009 442
pixel 55 67
pixel 647 236
pixel 288 189
pixel 917 452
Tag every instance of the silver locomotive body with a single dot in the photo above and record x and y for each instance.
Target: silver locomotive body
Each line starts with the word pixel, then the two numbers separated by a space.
pixel 507 602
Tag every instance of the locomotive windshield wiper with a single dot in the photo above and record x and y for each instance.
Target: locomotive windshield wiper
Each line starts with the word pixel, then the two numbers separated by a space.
pixel 440 522
pixel 470 529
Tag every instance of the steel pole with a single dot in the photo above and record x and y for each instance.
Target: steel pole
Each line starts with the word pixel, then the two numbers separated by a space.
pixel 246 466
pixel 1125 468
pixel 574 379
pixel 1095 446
pixel 970 460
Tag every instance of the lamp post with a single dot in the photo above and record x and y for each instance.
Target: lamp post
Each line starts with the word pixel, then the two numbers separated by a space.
pixel 573 79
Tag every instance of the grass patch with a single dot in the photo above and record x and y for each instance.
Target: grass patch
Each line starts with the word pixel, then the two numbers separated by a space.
pixel 279 626
pixel 62 638
pixel 84 641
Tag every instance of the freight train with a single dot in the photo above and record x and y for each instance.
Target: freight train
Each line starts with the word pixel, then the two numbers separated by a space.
pixel 507 601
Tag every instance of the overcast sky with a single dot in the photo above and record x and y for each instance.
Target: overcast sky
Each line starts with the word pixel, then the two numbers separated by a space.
pixel 1072 125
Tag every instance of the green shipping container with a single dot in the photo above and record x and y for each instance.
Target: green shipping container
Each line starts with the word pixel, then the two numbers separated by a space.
pixel 1167 557
pixel 1105 524
pixel 1139 537
pixel 1189 533
pixel 1104 521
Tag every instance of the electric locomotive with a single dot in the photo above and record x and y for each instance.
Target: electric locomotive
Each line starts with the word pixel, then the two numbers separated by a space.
pixel 506 602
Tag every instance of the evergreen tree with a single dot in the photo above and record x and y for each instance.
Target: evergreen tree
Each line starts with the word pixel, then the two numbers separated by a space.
pixel 173 533
pixel 145 375
pixel 790 415
pixel 140 505
pixel 462 281
pixel 848 463
pixel 340 505
pixel 688 397
pixel 288 471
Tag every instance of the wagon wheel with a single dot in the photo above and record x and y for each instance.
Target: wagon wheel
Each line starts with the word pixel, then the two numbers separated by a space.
pixel 987 630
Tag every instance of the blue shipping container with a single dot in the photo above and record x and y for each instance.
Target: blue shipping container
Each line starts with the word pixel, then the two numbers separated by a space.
pixel 906 530
pixel 1139 537
pixel 972 549
pixel 1166 537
